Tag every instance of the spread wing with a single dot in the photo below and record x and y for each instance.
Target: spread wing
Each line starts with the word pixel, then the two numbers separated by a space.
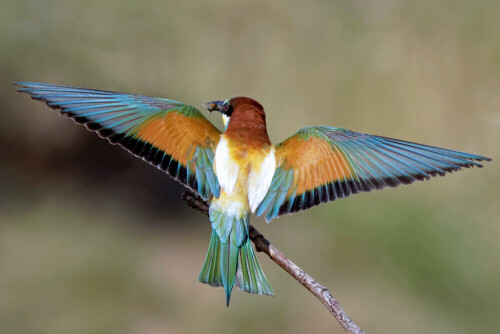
pixel 322 164
pixel 168 134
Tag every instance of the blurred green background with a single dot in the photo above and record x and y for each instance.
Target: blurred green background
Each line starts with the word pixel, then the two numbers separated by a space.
pixel 93 240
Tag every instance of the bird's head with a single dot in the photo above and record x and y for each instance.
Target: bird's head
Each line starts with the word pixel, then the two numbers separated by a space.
pixel 245 106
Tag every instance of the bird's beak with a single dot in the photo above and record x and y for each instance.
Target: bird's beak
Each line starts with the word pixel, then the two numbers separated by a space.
pixel 208 106
pixel 214 105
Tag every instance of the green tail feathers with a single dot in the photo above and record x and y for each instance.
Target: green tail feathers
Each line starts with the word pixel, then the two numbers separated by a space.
pixel 233 261
pixel 211 273
pixel 250 277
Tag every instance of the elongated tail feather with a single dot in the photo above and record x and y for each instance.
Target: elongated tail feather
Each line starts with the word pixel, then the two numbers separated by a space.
pixel 229 264
pixel 211 274
pixel 231 259
pixel 250 277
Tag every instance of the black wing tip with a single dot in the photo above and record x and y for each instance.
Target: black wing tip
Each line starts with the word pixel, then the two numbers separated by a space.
pixel 21 87
pixel 26 89
pixel 335 190
pixel 46 102
pixel 477 158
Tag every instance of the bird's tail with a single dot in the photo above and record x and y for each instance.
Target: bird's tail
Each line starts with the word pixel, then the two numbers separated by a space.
pixel 231 259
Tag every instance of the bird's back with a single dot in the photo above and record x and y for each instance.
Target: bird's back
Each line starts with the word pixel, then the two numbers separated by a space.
pixel 244 171
pixel 245 158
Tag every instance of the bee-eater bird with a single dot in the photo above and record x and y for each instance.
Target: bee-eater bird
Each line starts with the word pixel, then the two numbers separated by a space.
pixel 239 171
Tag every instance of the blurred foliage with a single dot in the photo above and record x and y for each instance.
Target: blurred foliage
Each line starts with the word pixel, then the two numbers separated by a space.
pixel 95 241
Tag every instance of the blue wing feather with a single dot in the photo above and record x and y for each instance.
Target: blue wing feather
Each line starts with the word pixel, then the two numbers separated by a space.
pixel 375 162
pixel 116 116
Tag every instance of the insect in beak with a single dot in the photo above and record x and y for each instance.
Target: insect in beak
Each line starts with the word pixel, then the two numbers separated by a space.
pixel 210 106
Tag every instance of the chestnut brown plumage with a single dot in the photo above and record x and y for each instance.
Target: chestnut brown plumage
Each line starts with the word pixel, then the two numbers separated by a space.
pixel 248 123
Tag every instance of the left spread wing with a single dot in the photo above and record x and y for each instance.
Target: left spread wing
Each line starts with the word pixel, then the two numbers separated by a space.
pixel 321 164
pixel 168 134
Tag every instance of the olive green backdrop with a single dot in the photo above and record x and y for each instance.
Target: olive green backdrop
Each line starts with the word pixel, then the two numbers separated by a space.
pixel 93 240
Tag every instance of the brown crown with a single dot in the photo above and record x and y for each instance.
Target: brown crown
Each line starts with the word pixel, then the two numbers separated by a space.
pixel 248 122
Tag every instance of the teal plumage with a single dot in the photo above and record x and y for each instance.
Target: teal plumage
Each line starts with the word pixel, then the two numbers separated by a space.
pixel 370 162
pixel 231 259
pixel 120 118
pixel 186 153
pixel 239 171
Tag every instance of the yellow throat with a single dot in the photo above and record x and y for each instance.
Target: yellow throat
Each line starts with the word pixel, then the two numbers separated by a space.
pixel 225 119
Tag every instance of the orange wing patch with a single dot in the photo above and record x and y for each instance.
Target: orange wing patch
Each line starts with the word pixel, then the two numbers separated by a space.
pixel 176 134
pixel 168 134
pixel 315 162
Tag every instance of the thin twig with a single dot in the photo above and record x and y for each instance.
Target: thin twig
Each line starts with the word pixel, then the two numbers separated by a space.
pixel 263 245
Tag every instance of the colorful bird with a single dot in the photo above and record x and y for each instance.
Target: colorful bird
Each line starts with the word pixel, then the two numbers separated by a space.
pixel 239 171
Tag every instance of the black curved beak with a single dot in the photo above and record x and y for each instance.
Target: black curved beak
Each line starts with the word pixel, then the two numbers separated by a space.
pixel 214 106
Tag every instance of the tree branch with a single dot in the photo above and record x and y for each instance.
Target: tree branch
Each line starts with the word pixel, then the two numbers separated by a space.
pixel 263 245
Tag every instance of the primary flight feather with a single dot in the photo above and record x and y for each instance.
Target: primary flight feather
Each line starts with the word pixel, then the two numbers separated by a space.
pixel 239 171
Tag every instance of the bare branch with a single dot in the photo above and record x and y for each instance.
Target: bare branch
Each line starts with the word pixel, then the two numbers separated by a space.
pixel 263 245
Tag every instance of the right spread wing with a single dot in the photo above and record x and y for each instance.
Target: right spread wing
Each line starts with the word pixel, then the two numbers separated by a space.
pixel 322 164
